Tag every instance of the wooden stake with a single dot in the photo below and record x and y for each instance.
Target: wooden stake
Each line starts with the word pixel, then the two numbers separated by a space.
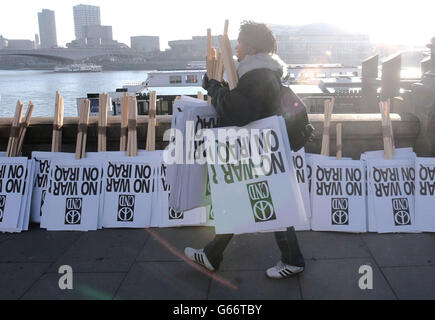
pixel 227 22
pixel 329 106
pixel 23 129
pixel 339 141
pixel 102 122
pixel 151 133
pixel 386 132
pixel 132 120
pixel 82 129
pixel 56 141
pixel 124 123
pixel 229 66
pixel 13 136
pixel 390 125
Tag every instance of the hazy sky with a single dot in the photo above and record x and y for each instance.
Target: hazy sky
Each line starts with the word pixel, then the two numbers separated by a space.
pixel 387 21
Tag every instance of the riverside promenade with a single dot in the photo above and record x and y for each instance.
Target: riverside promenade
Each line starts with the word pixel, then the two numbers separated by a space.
pixel 149 264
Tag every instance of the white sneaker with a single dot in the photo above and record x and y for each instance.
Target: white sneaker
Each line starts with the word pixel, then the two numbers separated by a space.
pixel 198 256
pixel 282 271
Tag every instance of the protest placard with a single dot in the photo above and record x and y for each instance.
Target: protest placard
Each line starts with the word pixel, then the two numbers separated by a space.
pixel 392 184
pixel 300 165
pixel 249 197
pixel 42 162
pixel 164 216
pixel 188 179
pixel 72 197
pixel 14 175
pixel 129 184
pixel 425 194
pixel 338 192
pixel 401 153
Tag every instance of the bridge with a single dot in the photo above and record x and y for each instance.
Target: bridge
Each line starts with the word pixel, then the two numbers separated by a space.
pixel 65 55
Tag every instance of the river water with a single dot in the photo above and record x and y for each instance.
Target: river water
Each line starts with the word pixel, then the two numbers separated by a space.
pixel 40 87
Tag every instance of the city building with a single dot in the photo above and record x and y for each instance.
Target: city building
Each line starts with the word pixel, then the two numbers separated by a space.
pixel 19 44
pixel 321 43
pixel 145 44
pixel 85 15
pixel 37 43
pixel 47 29
pixel 195 48
pixel 98 32
pixel 3 42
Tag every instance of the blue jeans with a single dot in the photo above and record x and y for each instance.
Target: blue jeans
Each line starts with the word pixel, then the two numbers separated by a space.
pixel 286 241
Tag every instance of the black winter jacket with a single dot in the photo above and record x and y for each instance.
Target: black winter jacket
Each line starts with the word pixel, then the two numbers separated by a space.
pixel 255 97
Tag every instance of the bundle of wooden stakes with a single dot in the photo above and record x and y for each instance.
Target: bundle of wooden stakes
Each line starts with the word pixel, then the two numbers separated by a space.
pixel 223 60
pixel 82 129
pixel 124 123
pixel 131 125
pixel 18 129
pixel 329 106
pixel 387 129
pixel 56 142
pixel 151 131
pixel 102 122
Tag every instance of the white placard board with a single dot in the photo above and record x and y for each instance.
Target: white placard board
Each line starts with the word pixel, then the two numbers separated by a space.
pixel 73 194
pixel 339 196
pixel 13 178
pixel 188 180
pixel 401 153
pixel 42 162
pixel 129 185
pixel 248 198
pixel 392 184
pixel 300 166
pixel 425 194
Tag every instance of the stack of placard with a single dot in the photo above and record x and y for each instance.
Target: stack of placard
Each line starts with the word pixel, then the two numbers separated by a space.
pixel 338 193
pixel 188 178
pixel 72 196
pixel 425 194
pixel 42 161
pixel 169 217
pixel 300 165
pixel 256 191
pixel 16 179
pixel 391 195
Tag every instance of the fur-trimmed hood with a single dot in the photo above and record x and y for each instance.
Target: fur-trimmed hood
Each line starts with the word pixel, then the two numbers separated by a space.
pixel 262 61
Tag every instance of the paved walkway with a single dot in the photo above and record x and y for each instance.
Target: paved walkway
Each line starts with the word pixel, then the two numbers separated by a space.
pixel 148 264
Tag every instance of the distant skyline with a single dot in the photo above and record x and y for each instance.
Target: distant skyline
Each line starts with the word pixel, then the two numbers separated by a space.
pixel 385 21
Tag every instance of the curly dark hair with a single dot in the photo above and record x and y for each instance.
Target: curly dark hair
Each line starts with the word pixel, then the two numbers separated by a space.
pixel 258 36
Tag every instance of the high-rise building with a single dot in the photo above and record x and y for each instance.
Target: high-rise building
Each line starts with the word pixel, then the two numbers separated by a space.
pixel 47 29
pixel 85 15
pixel 321 43
pixel 145 43
pixel 37 42
pixel 3 42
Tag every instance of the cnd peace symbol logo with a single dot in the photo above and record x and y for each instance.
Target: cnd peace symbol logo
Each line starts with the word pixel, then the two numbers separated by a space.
pixel 263 210
pixel 340 217
pixel 340 211
pixel 73 211
pixel 175 215
pixel 401 213
pixel 126 208
pixel 2 207
pixel 261 201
